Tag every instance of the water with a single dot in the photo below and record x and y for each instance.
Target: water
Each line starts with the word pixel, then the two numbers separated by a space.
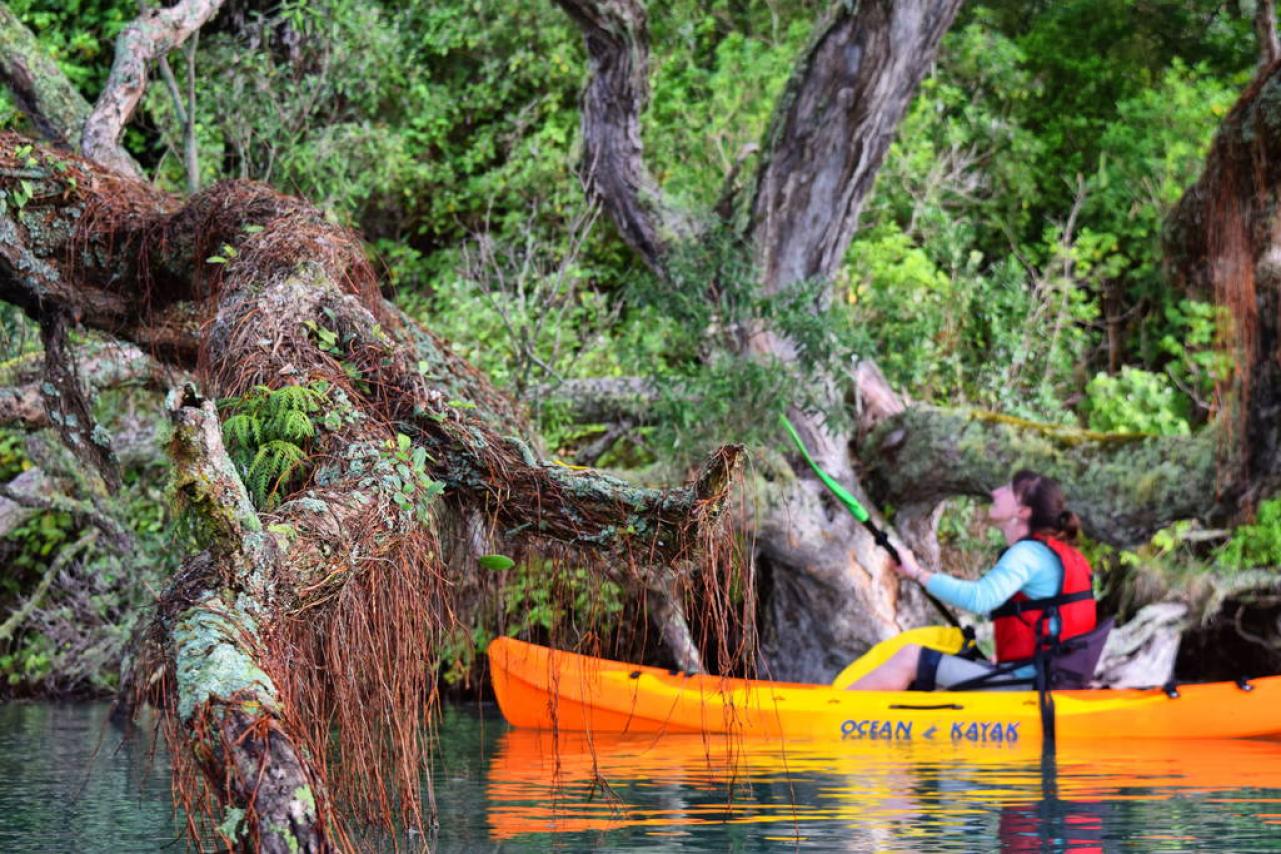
pixel 68 783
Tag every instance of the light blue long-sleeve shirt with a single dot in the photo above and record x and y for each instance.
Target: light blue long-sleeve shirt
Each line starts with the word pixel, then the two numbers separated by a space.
pixel 1027 566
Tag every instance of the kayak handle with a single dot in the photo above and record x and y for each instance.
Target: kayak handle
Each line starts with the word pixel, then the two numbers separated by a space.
pixel 955 706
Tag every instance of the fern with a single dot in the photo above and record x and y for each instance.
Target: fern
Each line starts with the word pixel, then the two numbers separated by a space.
pixel 293 398
pixel 292 425
pixel 242 431
pixel 268 433
pixel 274 466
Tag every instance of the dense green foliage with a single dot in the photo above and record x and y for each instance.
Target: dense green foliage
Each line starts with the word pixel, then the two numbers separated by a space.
pixel 1008 258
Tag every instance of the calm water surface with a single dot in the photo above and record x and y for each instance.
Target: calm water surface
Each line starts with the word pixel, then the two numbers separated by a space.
pixel 69 783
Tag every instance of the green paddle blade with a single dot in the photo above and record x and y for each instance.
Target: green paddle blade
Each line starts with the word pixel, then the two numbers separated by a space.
pixel 850 502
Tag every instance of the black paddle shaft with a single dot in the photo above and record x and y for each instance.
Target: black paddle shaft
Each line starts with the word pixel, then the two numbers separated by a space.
pixel 882 539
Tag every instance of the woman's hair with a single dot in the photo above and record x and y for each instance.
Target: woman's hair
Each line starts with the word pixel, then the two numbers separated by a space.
pixel 1044 497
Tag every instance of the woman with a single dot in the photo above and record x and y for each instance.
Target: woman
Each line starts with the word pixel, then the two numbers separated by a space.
pixel 1038 592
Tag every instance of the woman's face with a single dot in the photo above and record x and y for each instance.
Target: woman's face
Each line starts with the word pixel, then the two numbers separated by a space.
pixel 1005 507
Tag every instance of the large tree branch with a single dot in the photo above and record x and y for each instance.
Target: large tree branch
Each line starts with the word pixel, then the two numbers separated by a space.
pixel 55 108
pixel 613 168
pixel 153 34
pixel 1124 487
pixel 354 547
pixel 832 127
pixel 227 702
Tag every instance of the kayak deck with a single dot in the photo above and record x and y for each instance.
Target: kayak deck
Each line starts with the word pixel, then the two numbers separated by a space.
pixel 543 688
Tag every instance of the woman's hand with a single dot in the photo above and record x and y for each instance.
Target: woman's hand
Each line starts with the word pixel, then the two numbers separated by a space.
pixel 910 569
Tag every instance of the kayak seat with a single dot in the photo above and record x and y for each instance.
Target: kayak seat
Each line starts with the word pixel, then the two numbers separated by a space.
pixel 1073 665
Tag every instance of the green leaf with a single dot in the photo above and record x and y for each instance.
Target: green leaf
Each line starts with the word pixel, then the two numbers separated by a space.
pixel 231 823
pixel 496 562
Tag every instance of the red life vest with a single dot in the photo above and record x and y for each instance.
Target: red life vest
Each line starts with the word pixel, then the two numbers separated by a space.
pixel 1018 623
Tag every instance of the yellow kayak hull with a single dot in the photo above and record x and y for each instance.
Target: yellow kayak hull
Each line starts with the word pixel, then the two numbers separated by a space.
pixel 541 688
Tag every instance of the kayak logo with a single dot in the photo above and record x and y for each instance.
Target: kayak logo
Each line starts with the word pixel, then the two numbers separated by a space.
pixel 877 730
pixel 888 730
pixel 997 732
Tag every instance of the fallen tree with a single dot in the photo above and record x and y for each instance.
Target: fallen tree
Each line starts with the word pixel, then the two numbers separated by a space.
pixel 245 287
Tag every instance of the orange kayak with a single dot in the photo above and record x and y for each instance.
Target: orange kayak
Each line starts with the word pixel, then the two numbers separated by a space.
pixel 547 689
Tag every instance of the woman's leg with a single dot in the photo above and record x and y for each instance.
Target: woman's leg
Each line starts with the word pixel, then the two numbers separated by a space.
pixel 894 675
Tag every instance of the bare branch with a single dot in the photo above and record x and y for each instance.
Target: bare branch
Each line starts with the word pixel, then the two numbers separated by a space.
pixel 64 557
pixel 152 34
pixel 99 366
pixel 669 617
pixel 190 150
pixel 613 169
pixel 22 497
pixel 602 400
pixel 591 453
pixel 832 127
pixel 65 402
pixel 1265 26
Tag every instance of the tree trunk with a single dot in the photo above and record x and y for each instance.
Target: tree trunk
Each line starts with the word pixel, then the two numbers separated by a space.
pixel 56 110
pixel 829 592
pixel 1224 240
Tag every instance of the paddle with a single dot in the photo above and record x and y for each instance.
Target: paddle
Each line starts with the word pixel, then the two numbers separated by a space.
pixel 859 512
pixel 1044 695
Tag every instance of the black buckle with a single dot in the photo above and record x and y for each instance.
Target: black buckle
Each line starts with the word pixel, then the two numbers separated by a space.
pixel 1171 690
pixel 1244 684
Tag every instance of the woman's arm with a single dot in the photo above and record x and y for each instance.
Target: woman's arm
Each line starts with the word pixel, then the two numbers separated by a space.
pixel 1011 573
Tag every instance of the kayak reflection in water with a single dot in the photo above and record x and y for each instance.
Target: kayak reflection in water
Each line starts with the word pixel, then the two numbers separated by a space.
pixel 1039 595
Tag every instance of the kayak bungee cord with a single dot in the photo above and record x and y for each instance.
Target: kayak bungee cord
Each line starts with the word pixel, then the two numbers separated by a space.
pixel 860 513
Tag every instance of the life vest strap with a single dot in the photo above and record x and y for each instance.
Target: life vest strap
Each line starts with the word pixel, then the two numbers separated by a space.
pixel 1013 609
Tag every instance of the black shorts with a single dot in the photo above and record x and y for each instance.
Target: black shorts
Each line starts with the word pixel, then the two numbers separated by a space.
pixel 939 671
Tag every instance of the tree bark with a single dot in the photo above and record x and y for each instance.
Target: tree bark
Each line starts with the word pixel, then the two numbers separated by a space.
pixel 56 110
pixel 1265 27
pixel 832 127
pixel 152 34
pixel 613 170
pixel 1223 240
pixel 65 404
